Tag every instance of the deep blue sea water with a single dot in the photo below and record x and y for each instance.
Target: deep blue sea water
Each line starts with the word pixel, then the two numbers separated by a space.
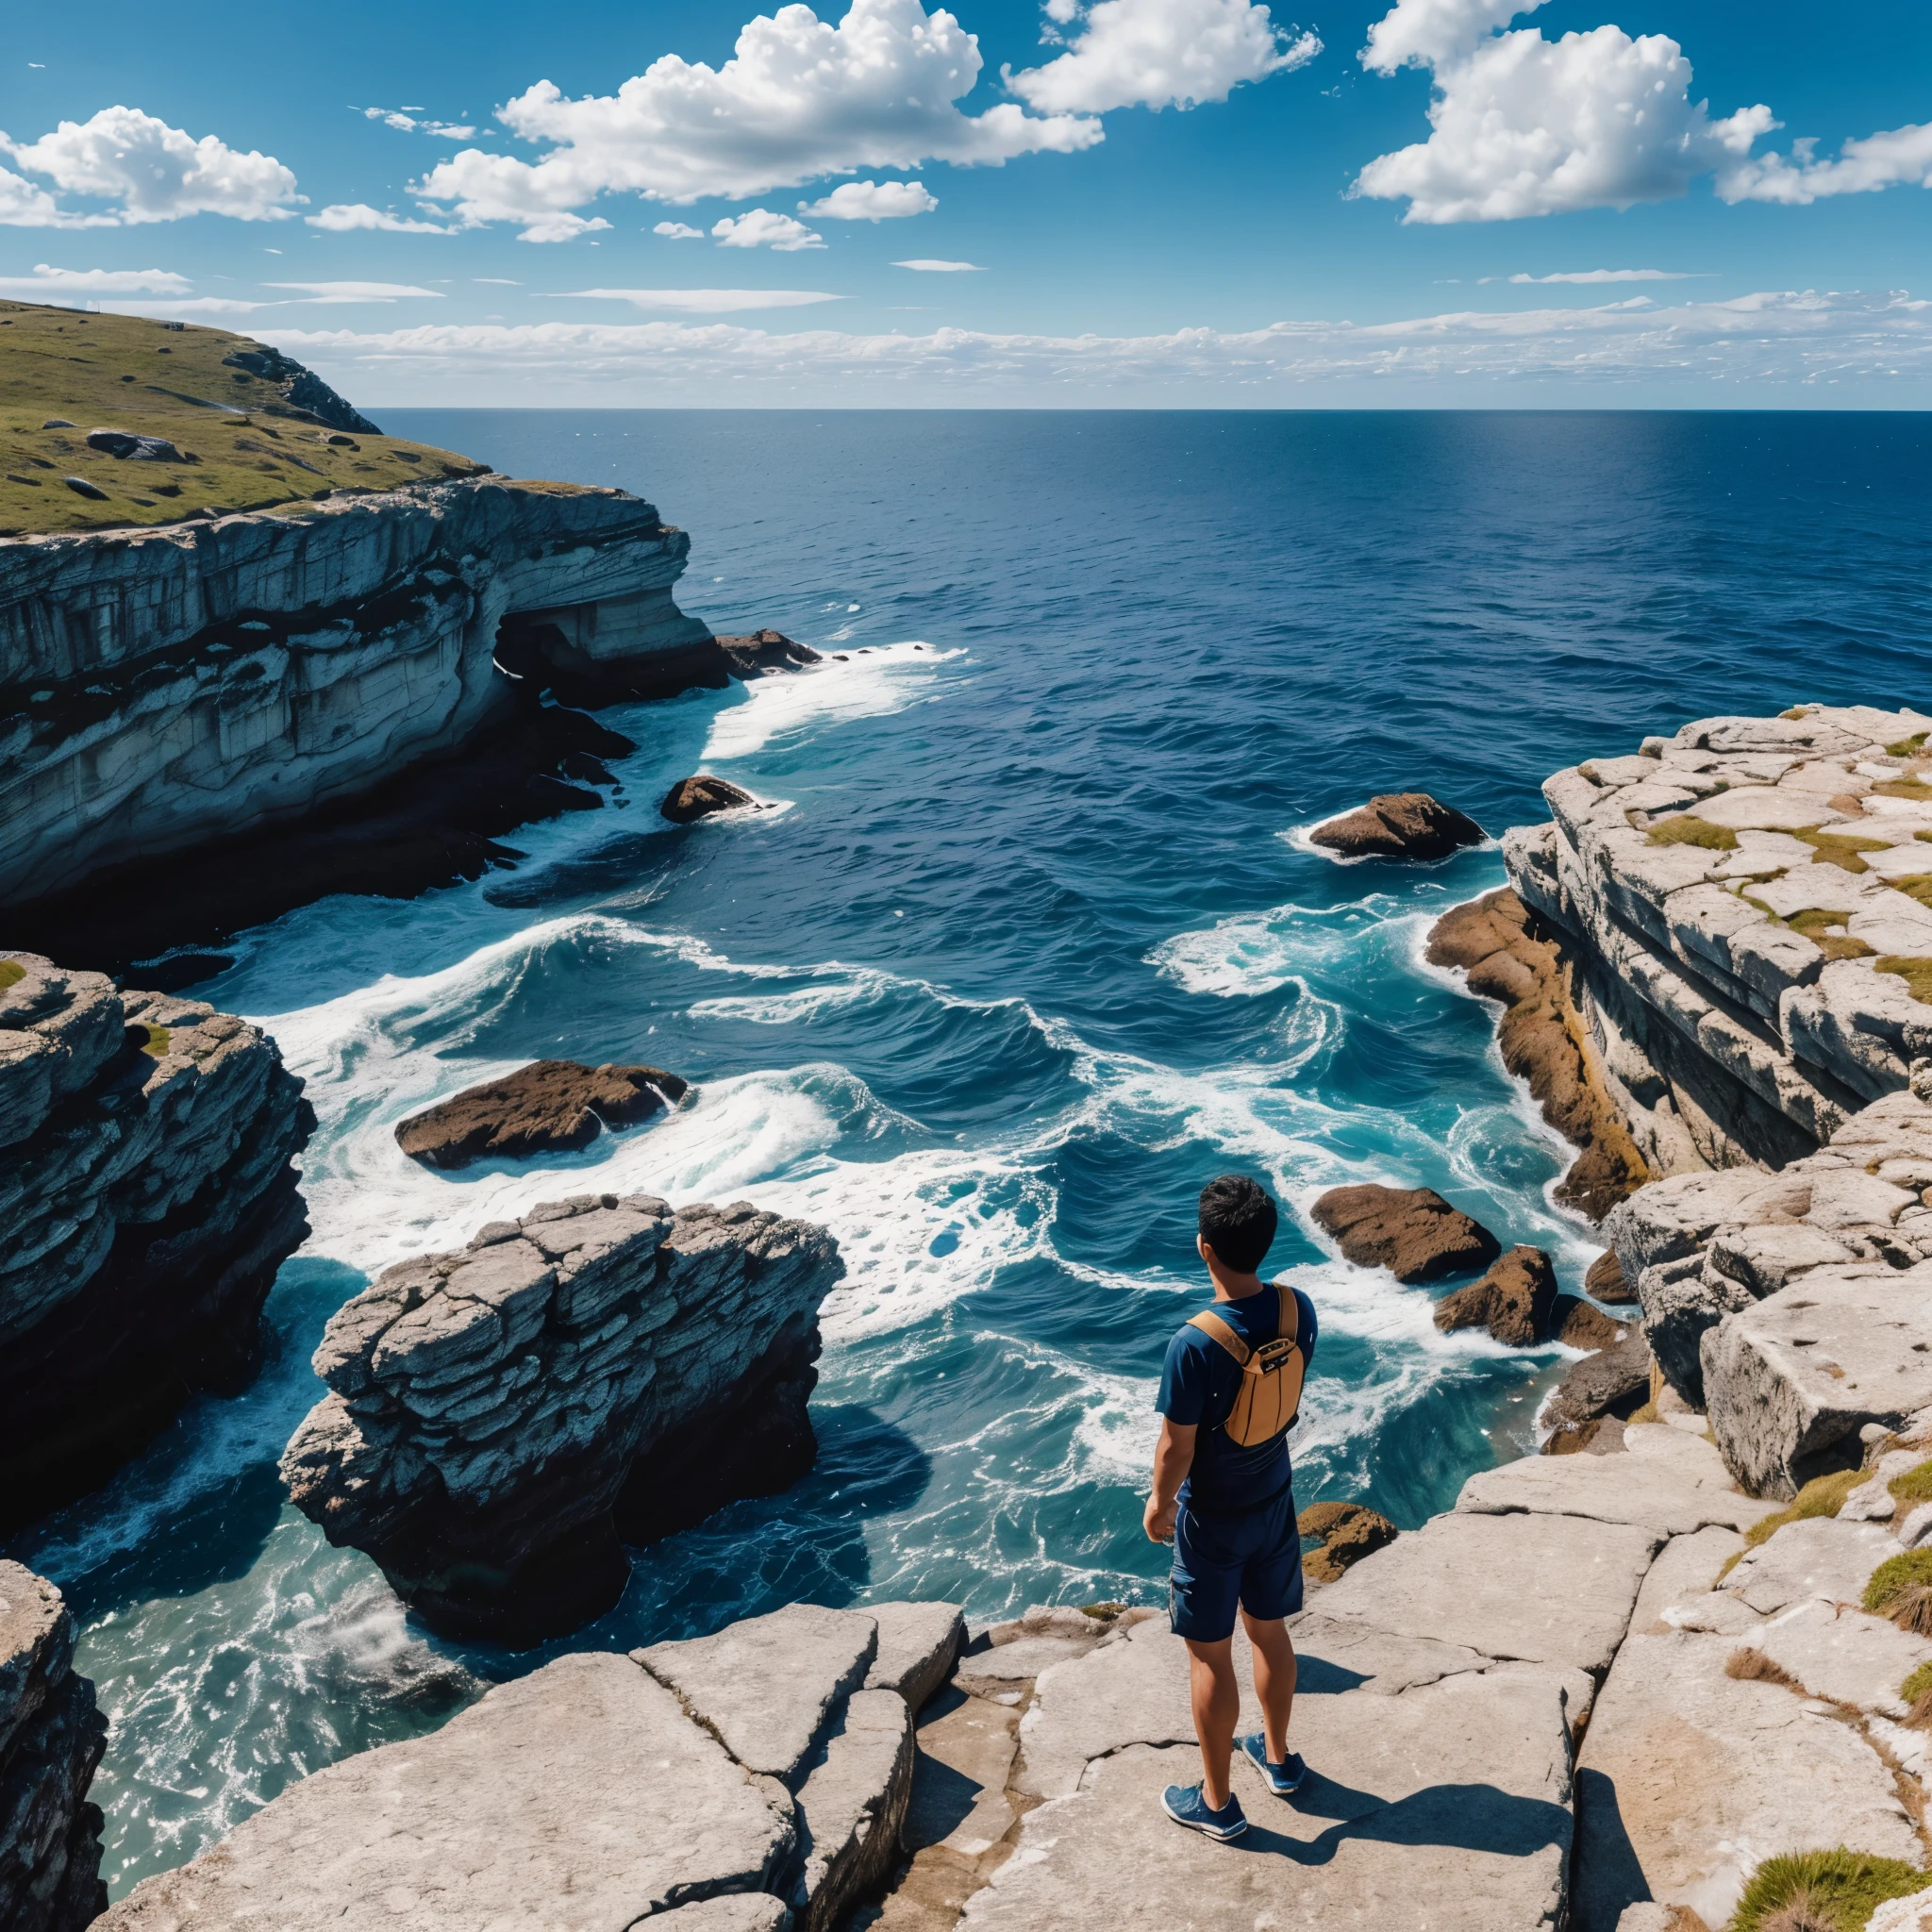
pixel 1030 948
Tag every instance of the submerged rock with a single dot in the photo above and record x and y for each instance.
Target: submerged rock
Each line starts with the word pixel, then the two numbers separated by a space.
pixel 149 1197
pixel 1512 1301
pixel 548 1107
pixel 505 1417
pixel 1414 1232
pixel 1349 1532
pixel 1399 824
pixel 51 1738
pixel 698 797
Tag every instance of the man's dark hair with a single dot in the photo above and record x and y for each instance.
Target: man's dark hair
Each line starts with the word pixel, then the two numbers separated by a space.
pixel 1238 1220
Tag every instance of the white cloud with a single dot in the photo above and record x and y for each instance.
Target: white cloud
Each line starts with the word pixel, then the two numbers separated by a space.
pixel 1761 349
pixel 761 228
pixel 199 305
pixel 346 216
pixel 698 301
pixel 497 281
pixel 799 98
pixel 1587 278
pixel 355 291
pixel 1528 126
pixel 155 172
pixel 95 281
pixel 871 201
pixel 405 122
pixel 1158 54
pixel 928 265
pixel 678 231
pixel 560 228
pixel 1902 156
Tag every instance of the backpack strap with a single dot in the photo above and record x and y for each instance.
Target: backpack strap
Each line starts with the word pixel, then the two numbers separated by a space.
pixel 1212 1326
pixel 1289 1323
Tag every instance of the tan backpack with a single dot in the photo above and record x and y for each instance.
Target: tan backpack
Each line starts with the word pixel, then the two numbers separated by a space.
pixel 1267 1404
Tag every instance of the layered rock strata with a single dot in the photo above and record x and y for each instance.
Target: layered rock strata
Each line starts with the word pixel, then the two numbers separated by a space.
pixel 1748 907
pixel 748 1782
pixel 51 1738
pixel 149 1195
pixel 504 1418
pixel 1795 1307
pixel 548 1107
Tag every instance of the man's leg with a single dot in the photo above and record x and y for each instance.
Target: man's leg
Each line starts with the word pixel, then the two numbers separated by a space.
pixel 1217 1709
pixel 1275 1673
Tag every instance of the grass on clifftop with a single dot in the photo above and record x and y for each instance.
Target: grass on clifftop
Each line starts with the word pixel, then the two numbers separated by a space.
pixel 1687 829
pixel 1901 1589
pixel 1836 1891
pixel 126 372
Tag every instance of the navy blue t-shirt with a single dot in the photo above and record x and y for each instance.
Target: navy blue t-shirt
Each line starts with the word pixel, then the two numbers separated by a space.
pixel 1198 1384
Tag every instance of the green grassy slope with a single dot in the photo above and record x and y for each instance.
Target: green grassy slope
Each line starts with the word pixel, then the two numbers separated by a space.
pixel 123 372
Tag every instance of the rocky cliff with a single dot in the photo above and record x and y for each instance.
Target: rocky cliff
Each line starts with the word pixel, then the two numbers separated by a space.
pixel 751 1781
pixel 163 689
pixel 1747 905
pixel 51 1737
pixel 148 1198
pixel 504 1418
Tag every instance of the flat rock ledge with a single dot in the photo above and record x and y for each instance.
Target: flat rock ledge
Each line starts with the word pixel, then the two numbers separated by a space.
pixel 1794 1307
pixel 51 1738
pixel 752 1781
pixel 1399 824
pixel 547 1107
pixel 502 1420
pixel 148 1193
pixel 1519 1716
pixel 1745 907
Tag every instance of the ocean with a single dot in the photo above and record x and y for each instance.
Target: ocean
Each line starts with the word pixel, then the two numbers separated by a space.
pixel 1028 944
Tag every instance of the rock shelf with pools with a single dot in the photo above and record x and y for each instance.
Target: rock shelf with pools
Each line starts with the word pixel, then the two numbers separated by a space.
pixel 1028 940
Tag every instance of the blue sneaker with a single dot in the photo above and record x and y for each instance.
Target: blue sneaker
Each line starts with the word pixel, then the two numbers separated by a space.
pixel 1188 1805
pixel 1284 1779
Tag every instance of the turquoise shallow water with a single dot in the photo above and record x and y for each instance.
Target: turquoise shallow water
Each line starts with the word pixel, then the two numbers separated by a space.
pixel 1030 950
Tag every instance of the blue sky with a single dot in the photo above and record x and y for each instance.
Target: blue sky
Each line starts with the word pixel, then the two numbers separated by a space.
pixel 1161 201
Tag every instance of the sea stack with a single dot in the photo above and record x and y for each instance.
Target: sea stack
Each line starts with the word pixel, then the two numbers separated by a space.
pixel 505 1417
pixel 147 1187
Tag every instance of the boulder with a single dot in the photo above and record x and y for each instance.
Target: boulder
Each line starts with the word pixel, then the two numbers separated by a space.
pixel 1688 1777
pixel 1683 1301
pixel 148 1193
pixel 698 797
pixel 504 1418
pixel 1513 1301
pixel 1611 1384
pixel 1349 1532
pixel 584 1782
pixel 1577 1324
pixel 51 1738
pixel 128 447
pixel 1789 1381
pixel 1399 824
pixel 1414 1232
pixel 1605 1281
pixel 548 1107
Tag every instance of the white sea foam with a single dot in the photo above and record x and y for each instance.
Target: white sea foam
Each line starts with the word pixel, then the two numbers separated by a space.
pixel 872 682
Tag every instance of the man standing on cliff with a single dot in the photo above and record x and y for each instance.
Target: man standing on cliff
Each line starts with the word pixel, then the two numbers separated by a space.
pixel 1222 1490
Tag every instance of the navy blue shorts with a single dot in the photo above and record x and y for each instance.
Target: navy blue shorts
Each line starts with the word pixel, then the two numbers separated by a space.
pixel 1253 1559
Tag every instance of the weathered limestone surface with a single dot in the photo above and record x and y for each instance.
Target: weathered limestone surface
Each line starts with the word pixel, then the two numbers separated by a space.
pixel 1729 977
pixel 1794 1306
pixel 503 1418
pixel 51 1737
pixel 159 687
pixel 586 1797
pixel 149 1197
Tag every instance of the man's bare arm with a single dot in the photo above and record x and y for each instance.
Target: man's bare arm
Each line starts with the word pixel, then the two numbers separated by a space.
pixel 1173 1456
